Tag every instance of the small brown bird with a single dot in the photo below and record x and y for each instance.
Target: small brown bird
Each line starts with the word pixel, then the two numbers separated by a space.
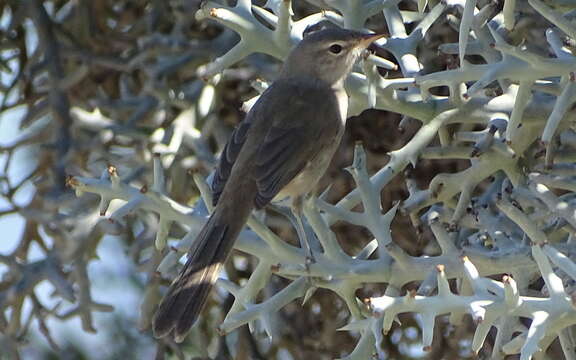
pixel 281 149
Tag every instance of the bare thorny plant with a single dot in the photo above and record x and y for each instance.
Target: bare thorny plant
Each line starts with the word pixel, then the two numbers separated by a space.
pixel 133 100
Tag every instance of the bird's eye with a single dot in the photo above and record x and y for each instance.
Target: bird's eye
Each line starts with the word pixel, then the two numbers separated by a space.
pixel 335 49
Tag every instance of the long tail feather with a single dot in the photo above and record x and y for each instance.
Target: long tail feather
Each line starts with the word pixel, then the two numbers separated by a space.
pixel 187 295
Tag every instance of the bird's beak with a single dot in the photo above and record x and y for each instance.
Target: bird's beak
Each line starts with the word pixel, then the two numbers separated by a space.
pixel 368 39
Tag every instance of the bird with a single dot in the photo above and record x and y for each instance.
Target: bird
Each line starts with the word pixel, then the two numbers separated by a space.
pixel 280 150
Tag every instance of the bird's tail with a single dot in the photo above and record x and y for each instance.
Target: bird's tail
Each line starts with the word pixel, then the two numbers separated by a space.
pixel 185 298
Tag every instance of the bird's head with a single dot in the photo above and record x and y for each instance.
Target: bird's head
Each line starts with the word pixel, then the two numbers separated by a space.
pixel 327 54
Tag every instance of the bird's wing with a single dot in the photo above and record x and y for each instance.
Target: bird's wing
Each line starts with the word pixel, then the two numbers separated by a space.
pixel 299 121
pixel 228 157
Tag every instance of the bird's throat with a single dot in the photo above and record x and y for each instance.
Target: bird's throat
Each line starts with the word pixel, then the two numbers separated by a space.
pixel 342 98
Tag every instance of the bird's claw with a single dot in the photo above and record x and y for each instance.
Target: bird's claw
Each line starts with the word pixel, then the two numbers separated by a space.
pixel 309 261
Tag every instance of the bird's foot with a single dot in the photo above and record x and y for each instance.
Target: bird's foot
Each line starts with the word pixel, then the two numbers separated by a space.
pixel 310 259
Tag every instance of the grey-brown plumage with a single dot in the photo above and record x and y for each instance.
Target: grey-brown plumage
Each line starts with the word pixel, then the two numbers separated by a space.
pixel 280 150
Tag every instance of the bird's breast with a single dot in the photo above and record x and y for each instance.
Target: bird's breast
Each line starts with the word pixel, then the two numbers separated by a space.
pixel 315 168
